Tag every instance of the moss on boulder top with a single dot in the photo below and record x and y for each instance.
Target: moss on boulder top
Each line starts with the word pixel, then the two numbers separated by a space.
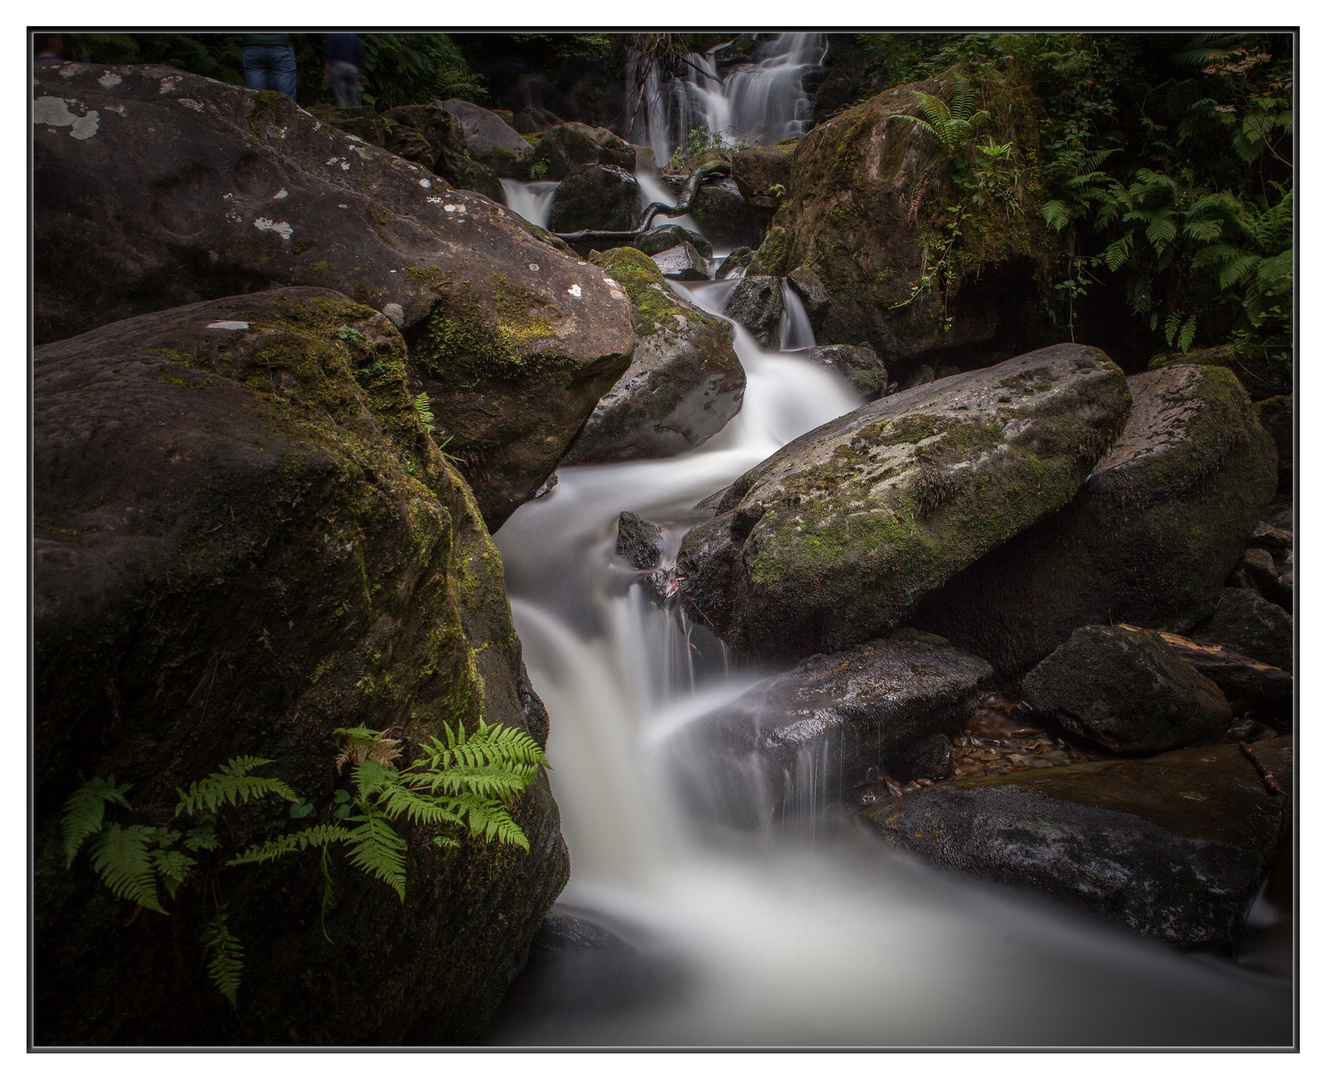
pixel 834 539
pixel 246 538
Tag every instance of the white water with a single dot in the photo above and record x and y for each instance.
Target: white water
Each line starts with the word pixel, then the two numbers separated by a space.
pixel 532 201
pixel 809 937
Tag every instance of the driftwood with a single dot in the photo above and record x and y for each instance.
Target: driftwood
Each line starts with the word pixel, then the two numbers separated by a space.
pixel 716 168
pixel 1243 679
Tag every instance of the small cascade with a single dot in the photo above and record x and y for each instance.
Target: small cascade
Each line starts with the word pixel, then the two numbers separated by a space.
pixel 532 201
pixel 794 331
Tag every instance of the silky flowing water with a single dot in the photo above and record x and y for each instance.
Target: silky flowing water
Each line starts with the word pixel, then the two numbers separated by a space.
pixel 808 930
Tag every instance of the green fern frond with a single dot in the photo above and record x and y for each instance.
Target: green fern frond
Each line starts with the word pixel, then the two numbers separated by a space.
pixel 377 849
pixel 201 839
pixel 1205 230
pixel 1161 231
pixel 84 812
pixel 122 859
pixel 225 957
pixel 1117 253
pixel 316 836
pixel 1238 270
pixel 231 784
pixel 172 867
pixel 492 822
pixel 1056 213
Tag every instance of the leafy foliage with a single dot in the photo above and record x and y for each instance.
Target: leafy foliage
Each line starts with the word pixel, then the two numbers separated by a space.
pixel 699 140
pixel 225 957
pixel 84 811
pixel 231 784
pixel 953 123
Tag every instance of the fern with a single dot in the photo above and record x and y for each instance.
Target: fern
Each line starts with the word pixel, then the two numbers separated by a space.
pixel 85 810
pixel 376 848
pixel 231 784
pixel 172 867
pixel 363 744
pixel 125 865
pixel 953 123
pixel 317 836
pixel 225 957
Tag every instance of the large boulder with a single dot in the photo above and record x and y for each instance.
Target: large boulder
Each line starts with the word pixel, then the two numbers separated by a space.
pixel 448 151
pixel 866 187
pixel 727 218
pixel 664 237
pixel 154 188
pixel 490 140
pixel 1251 625
pixel 860 365
pixel 685 381
pixel 1174 847
pixel 1149 540
pixel 797 742
pixel 569 145
pixel 835 538
pixel 599 197
pixel 1245 682
pixel 1276 415
pixel 757 303
pixel 1125 690
pixel 682 263
pixel 245 538
pixel 763 174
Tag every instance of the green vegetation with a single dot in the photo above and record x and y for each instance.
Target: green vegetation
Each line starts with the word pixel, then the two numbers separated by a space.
pixel 458 784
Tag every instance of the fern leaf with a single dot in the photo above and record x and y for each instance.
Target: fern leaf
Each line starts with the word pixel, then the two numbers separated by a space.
pixel 1161 231
pixel 225 957
pixel 230 785
pixel 1187 334
pixel 1238 269
pixel 377 849
pixel 242 766
pixel 85 810
pixel 491 821
pixel 1117 253
pixel 316 836
pixel 125 865
pixel 172 867
pixel 1056 214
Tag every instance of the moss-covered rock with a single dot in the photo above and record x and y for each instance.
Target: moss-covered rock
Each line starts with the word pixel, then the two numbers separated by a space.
pixel 796 743
pixel 1174 847
pixel 445 136
pixel 685 381
pixel 568 145
pixel 835 538
pixel 246 538
pixel 1276 415
pixel 600 197
pixel 670 236
pixel 726 217
pixel 1126 690
pixel 490 140
pixel 763 174
pixel 1149 540
pixel 860 365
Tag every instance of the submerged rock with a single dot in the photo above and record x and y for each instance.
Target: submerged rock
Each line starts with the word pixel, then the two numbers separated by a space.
pixel 1174 847
pixel 757 303
pixel 1149 540
pixel 796 742
pixel 186 188
pixel 245 539
pixel 685 381
pixel 834 538
pixel 1125 690
pixel 860 365
pixel 601 197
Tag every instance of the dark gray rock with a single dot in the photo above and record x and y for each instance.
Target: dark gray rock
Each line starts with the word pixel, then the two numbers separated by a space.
pixel 490 140
pixel 739 259
pixel 600 197
pixel 639 542
pixel 796 742
pixel 685 381
pixel 833 539
pixel 682 263
pixel 1276 415
pixel 810 288
pixel 1149 539
pixel 860 365
pixel 1245 682
pixel 1174 847
pixel 1125 690
pixel 670 236
pixel 727 218
pixel 445 136
pixel 1251 625
pixel 569 145
pixel 1279 542
pixel 757 303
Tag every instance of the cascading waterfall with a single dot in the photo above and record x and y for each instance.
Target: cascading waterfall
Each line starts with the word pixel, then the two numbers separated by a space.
pixel 766 924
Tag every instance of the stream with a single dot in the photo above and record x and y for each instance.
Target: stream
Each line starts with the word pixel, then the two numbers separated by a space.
pixel 808 931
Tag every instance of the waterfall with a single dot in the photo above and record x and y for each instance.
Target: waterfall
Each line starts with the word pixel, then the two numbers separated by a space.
pixel 532 201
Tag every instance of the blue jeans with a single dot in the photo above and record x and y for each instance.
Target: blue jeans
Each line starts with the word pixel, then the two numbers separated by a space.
pixel 270 67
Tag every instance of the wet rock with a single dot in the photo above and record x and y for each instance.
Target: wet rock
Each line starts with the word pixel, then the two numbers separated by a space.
pixel 682 263
pixel 244 532
pixel 763 174
pixel 569 145
pixel 601 197
pixel 739 259
pixel 670 236
pixel 757 303
pixel 639 542
pixel 773 255
pixel 214 190
pixel 363 122
pixel 834 538
pixel 685 381
pixel 491 141
pixel 1125 690
pixel 1149 539
pixel 726 217
pixel 1246 623
pixel 807 285
pixel 798 741
pixel 930 758
pixel 860 365
pixel 1245 682
pixel 1174 847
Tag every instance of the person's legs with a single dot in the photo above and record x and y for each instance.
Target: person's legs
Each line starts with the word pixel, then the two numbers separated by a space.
pixel 283 71
pixel 255 68
pixel 345 85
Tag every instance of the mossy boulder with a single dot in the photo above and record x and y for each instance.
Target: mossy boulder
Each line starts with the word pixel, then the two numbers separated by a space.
pixel 362 121
pixel 445 136
pixel 757 303
pixel 181 188
pixel 600 197
pixel 490 140
pixel 798 742
pixel 1149 540
pixel 1125 690
pixel 246 538
pixel 1276 415
pixel 1174 847
pixel 860 365
pixel 836 537
pixel 763 174
pixel 868 208
pixel 685 381
pixel 568 145
pixel 726 217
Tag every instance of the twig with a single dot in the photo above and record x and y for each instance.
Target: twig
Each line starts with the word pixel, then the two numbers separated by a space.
pixel 1268 777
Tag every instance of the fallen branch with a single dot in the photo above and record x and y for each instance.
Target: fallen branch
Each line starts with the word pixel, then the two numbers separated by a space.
pixel 717 168
pixel 1268 777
